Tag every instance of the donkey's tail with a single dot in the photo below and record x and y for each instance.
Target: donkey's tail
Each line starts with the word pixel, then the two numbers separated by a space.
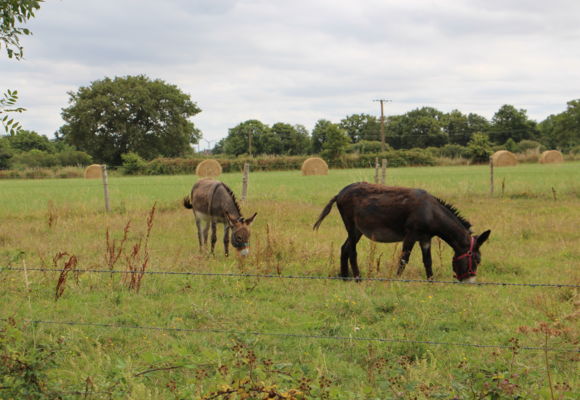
pixel 187 202
pixel 324 212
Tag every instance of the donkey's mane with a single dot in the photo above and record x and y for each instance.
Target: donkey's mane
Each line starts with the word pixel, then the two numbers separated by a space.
pixel 453 210
pixel 233 196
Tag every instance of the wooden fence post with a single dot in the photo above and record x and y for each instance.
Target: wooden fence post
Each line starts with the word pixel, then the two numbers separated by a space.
pixel 106 187
pixel 245 181
pixel 491 176
pixel 384 171
pixel 376 170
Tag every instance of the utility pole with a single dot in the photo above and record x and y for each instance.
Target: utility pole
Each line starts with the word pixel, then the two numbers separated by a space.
pixel 208 142
pixel 382 101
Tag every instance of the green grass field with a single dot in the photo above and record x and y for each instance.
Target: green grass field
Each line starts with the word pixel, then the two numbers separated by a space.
pixel 259 337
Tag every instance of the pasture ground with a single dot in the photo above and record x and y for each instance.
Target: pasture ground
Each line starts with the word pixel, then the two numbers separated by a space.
pixel 241 322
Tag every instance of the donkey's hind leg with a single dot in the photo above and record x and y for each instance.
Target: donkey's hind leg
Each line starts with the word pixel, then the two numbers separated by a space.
pixel 213 235
pixel 354 238
pixel 348 249
pixel 199 232
pixel 344 256
pixel 205 232
pixel 348 253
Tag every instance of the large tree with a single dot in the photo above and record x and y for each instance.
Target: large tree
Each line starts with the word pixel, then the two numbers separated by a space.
pixel 112 117
pixel 251 137
pixel 294 138
pixel 562 130
pixel 24 140
pixel 511 123
pixel 361 127
pixel 329 139
pixel 335 143
pixel 319 134
pixel 421 127
pixel 460 127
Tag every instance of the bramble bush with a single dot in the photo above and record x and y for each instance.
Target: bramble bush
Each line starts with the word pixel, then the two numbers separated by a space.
pixel 24 365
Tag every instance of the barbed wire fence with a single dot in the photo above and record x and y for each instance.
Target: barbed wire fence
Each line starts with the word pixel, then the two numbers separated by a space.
pixel 286 335
pixel 295 335
pixel 295 277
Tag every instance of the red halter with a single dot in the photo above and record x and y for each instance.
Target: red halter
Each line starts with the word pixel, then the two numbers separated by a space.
pixel 470 271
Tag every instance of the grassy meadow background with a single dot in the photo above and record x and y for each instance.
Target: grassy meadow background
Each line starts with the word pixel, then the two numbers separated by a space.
pixel 240 321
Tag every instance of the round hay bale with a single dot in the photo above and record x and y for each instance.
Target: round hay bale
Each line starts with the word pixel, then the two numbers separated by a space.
pixel 208 168
pixel 94 171
pixel 314 166
pixel 504 158
pixel 551 156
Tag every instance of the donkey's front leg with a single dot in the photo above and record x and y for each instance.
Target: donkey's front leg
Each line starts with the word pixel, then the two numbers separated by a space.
pixel 408 244
pixel 227 239
pixel 427 261
pixel 353 239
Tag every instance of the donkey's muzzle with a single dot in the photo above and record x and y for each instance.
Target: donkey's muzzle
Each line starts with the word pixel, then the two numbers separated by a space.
pixel 243 250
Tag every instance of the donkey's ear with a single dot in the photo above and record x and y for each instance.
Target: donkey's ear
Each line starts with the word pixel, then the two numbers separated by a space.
pixel 251 219
pixel 483 237
pixel 232 221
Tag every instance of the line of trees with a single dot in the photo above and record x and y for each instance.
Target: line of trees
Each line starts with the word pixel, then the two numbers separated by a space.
pixel 420 128
pixel 148 119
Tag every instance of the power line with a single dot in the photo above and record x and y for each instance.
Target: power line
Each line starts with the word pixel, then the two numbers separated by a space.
pixel 296 335
pixel 295 277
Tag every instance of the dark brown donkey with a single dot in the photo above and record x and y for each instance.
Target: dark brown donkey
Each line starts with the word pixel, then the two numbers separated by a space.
pixel 393 214
pixel 212 202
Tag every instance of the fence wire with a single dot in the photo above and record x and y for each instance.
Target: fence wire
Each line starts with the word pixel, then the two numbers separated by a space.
pixel 297 277
pixel 298 336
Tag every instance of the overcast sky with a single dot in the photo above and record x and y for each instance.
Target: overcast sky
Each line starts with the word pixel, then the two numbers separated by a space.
pixel 299 61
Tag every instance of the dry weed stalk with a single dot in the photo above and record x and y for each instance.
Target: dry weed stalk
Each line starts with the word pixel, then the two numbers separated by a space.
pixel 331 259
pixel 52 216
pixel 440 253
pixel 114 251
pixel 138 260
pixel 378 264
pixel 395 257
pixel 69 266
pixel 241 263
pixel 271 255
pixel 374 262
pixel 372 254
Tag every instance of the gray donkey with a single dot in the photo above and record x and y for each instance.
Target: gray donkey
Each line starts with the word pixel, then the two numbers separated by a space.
pixel 212 202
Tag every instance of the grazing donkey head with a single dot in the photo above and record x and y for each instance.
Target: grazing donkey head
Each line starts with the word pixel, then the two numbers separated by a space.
pixel 465 264
pixel 240 232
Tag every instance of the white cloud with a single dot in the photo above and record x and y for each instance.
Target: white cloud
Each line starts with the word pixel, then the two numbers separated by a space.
pixel 300 61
